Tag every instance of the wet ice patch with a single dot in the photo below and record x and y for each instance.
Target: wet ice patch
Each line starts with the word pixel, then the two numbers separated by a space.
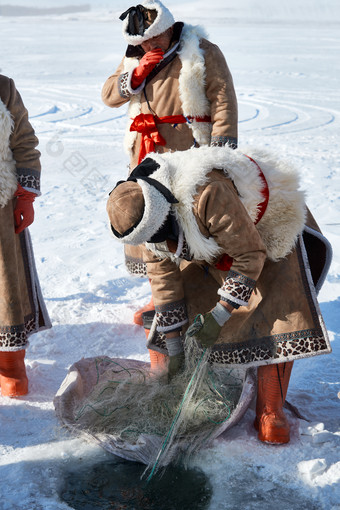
pixel 118 484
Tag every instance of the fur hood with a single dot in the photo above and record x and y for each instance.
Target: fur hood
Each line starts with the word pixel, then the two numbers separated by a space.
pixel 191 85
pixel 284 218
pixel 8 179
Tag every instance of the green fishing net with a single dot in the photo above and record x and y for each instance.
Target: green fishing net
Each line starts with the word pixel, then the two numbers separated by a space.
pixel 129 402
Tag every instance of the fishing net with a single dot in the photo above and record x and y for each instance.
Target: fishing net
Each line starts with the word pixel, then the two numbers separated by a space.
pixel 139 415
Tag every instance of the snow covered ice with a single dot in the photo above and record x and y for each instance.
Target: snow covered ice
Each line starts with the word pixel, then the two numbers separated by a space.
pixel 285 64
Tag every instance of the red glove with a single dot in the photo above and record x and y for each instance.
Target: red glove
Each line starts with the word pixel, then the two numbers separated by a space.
pixel 23 208
pixel 146 64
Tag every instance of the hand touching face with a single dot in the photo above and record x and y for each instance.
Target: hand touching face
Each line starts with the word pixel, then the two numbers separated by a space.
pixel 161 41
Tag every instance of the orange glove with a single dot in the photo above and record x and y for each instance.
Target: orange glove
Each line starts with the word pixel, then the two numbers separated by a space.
pixel 23 211
pixel 146 64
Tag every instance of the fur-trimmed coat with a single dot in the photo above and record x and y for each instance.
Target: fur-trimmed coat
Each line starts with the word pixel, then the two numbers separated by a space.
pixel 270 280
pixel 197 82
pixel 22 309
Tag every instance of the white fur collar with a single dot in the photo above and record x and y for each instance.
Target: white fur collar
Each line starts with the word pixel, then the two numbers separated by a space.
pixel 8 179
pixel 191 87
pixel 183 172
pixel 192 80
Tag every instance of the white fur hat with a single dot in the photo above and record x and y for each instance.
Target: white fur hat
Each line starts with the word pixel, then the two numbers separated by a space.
pixel 163 20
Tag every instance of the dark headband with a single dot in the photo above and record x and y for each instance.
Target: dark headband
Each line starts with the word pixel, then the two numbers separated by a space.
pixel 135 11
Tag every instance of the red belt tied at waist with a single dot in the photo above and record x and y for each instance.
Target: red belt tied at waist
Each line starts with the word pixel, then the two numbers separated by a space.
pixel 225 262
pixel 146 124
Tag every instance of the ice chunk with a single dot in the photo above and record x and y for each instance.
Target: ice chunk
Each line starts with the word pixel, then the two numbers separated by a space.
pixel 311 429
pixel 310 469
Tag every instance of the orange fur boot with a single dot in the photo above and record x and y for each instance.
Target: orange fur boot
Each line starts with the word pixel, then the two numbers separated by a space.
pixel 13 378
pixel 272 386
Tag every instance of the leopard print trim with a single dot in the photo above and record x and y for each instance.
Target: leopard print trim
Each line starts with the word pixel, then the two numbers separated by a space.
pixel 14 338
pixel 302 344
pixel 171 316
pixel 136 268
pixel 237 288
pixel 162 251
pixel 185 252
pixel 29 178
pixel 158 343
pixel 221 141
pixel 123 85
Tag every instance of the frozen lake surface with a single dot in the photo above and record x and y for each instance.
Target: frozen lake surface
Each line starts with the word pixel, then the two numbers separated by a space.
pixel 286 69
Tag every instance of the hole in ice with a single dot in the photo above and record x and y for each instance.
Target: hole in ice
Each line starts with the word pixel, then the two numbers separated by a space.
pixel 117 485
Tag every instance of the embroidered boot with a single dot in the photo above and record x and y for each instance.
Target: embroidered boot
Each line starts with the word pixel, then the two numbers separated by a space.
pixel 272 386
pixel 13 378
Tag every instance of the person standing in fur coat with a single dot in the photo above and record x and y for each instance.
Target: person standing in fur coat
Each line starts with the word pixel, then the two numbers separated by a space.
pixel 22 309
pixel 231 234
pixel 179 89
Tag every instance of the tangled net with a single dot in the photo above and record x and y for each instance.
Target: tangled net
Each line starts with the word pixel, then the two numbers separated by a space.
pixel 128 402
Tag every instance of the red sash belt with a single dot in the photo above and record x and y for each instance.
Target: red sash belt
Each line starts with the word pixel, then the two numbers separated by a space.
pixel 225 262
pixel 146 124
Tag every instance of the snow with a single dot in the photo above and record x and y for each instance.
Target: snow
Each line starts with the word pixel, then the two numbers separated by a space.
pixel 285 62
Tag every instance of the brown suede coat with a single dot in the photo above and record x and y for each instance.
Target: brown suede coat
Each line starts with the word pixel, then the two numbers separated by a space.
pixel 22 309
pixel 282 320
pixel 23 141
pixel 162 98
pixel 219 214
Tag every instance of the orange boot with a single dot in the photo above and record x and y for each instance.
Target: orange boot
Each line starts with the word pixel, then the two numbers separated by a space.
pixel 272 386
pixel 137 318
pixel 13 378
pixel 158 360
